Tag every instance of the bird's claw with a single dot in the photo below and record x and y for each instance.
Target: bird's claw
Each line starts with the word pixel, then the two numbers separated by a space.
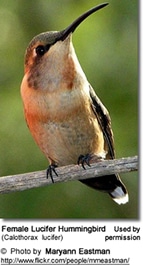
pixel 50 170
pixel 84 159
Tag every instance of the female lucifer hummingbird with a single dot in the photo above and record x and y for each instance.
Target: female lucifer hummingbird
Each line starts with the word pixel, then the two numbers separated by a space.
pixel 66 118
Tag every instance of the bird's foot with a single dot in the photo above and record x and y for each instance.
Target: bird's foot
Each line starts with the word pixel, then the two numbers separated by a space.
pixel 84 159
pixel 50 170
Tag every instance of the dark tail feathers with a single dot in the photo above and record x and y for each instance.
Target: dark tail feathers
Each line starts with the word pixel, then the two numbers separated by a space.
pixel 111 184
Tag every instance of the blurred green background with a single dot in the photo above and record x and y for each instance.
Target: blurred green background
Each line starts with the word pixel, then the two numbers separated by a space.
pixel 106 45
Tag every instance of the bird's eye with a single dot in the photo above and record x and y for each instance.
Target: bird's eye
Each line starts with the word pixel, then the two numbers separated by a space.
pixel 40 50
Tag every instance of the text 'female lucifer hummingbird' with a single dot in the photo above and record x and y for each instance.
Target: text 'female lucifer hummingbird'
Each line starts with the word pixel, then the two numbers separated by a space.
pixel 63 113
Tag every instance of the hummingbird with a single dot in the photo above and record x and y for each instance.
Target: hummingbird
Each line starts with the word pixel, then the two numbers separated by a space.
pixel 65 116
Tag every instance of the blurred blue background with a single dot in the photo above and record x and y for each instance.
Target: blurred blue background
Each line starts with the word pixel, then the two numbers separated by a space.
pixel 106 45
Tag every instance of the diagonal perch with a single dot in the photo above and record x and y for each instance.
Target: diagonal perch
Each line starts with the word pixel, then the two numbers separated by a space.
pixel 31 180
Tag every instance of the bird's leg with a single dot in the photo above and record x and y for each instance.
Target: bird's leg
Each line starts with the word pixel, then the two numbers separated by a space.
pixel 84 159
pixel 50 170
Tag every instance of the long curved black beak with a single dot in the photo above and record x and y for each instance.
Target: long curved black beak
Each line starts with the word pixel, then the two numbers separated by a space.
pixel 71 28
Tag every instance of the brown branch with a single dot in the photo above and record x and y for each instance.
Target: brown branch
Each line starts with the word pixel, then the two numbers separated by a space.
pixel 73 172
